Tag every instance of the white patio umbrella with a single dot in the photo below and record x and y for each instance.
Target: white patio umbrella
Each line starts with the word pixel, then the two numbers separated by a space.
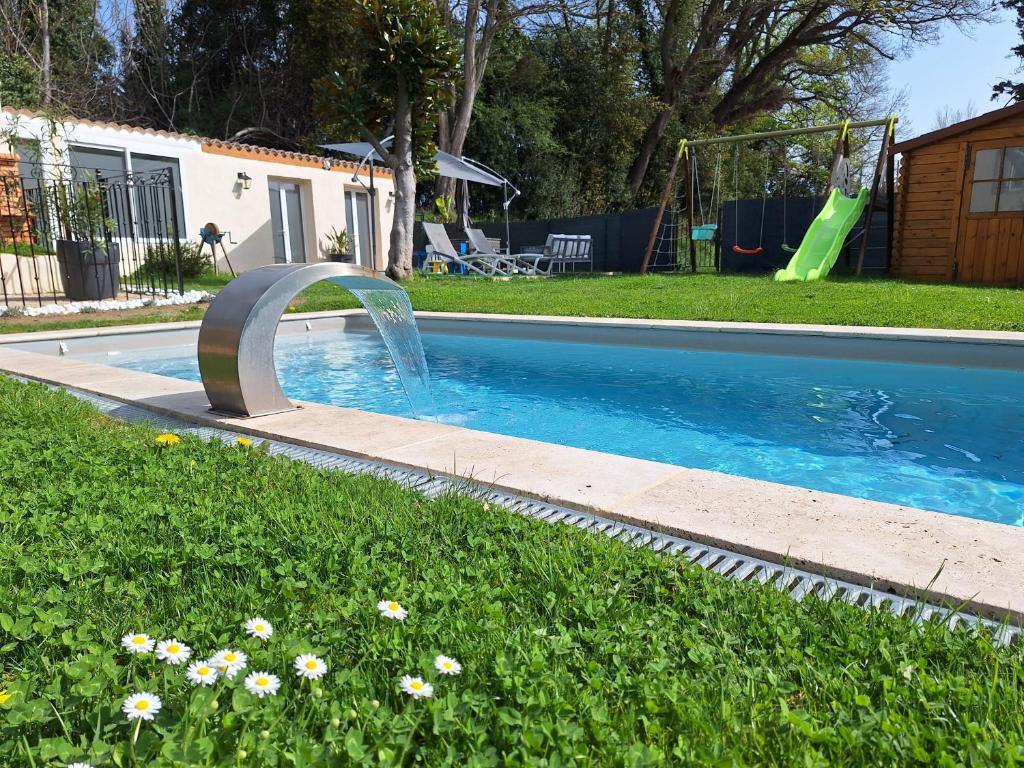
pixel 449 166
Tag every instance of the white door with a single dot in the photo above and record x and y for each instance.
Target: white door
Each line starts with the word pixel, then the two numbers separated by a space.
pixel 357 222
pixel 286 222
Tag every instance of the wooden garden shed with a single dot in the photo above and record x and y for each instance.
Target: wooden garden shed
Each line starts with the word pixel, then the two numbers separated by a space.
pixel 959 213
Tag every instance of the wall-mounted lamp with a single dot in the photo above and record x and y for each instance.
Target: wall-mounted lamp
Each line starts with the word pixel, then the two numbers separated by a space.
pixel 245 180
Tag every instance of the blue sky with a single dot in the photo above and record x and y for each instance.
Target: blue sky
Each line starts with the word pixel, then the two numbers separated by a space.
pixel 958 70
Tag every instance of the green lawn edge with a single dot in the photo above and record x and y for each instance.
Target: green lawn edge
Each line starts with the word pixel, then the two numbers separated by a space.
pixel 723 298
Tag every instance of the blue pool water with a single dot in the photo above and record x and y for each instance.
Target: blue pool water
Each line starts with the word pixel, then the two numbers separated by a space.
pixel 938 438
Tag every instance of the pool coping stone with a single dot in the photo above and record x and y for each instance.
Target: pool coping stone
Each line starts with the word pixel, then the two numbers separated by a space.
pixel 971 563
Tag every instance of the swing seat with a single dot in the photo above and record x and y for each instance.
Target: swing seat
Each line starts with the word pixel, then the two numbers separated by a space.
pixel 748 251
pixel 788 248
pixel 703 232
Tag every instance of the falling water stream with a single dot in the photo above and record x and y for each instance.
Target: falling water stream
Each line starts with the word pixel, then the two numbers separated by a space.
pixel 391 312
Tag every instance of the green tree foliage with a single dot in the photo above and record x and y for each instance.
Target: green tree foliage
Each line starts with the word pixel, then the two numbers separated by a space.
pixel 19 82
pixel 558 112
pixel 217 67
pixel 1013 91
pixel 81 55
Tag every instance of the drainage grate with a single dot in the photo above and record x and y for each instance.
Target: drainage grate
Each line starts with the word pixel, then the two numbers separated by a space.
pixel 795 582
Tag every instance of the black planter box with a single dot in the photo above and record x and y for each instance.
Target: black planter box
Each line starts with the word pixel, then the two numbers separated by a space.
pixel 343 258
pixel 89 271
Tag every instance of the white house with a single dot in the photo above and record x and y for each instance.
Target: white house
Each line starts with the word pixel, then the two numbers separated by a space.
pixel 277 206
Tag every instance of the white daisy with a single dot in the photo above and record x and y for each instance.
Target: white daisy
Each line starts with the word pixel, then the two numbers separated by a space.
pixel 257 627
pixel 172 651
pixel 202 673
pixel 230 662
pixel 392 610
pixel 416 688
pixel 141 706
pixel 262 684
pixel 79 765
pixel 446 665
pixel 310 667
pixel 137 642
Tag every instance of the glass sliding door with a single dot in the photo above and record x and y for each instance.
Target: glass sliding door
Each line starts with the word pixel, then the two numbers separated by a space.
pixel 286 222
pixel 357 221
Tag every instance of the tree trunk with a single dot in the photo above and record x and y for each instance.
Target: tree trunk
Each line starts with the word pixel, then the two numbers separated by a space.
pixel 652 138
pixel 401 162
pixel 44 30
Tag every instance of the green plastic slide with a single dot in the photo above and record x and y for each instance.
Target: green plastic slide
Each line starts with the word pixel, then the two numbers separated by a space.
pixel 825 237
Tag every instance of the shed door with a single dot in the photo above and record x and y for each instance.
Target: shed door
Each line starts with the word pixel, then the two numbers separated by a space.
pixel 990 241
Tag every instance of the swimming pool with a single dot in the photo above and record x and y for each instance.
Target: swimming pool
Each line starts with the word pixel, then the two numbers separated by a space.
pixel 935 437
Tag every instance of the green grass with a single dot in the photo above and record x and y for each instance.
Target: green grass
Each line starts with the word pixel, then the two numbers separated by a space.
pixel 576 649
pixel 875 301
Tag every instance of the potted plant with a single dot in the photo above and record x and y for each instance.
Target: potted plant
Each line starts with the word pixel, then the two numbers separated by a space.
pixel 90 262
pixel 337 247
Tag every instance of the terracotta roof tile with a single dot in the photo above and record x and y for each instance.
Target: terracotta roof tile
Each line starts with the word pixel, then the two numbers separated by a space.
pixel 202 140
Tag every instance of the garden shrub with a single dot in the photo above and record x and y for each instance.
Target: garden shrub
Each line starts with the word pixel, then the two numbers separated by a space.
pixel 194 259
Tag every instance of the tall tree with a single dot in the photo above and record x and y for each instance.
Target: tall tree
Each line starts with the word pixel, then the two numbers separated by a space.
pixel 1009 89
pixel 729 60
pixel 150 86
pixel 477 24
pixel 560 114
pixel 67 45
pixel 395 66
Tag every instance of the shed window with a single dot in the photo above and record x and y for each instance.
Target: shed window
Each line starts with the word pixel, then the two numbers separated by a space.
pixel 998 184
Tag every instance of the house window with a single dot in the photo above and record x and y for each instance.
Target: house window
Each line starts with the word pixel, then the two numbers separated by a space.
pixel 157 193
pixel 29 158
pixel 998 183
pixel 89 164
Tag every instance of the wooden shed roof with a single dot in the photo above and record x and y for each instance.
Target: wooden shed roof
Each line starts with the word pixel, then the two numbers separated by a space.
pixel 957 128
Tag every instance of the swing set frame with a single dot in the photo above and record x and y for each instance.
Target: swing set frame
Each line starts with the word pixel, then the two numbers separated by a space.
pixel 885 164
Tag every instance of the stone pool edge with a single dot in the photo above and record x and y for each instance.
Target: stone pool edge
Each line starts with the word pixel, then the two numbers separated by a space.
pixel 911 552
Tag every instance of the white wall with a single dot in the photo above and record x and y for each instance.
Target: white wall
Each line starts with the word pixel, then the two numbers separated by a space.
pixel 218 196
pixel 211 190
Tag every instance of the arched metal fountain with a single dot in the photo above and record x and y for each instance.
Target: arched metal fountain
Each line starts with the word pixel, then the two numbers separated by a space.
pixel 236 339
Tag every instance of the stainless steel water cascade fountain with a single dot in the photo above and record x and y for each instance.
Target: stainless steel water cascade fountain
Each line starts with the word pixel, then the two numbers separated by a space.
pixel 236 339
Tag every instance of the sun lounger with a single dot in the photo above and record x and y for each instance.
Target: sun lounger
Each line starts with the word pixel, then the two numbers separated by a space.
pixel 440 247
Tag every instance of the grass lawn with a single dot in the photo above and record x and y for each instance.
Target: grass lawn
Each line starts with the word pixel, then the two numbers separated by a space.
pixel 684 297
pixel 575 649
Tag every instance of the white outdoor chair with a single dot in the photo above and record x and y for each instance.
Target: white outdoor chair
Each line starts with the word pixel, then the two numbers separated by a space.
pixel 559 249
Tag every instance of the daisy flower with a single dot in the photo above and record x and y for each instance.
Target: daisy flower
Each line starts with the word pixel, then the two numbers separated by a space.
pixel 137 642
pixel 168 439
pixel 310 667
pixel 446 665
pixel 201 673
pixel 79 765
pixel 392 610
pixel 141 706
pixel 259 627
pixel 416 688
pixel 172 651
pixel 230 662
pixel 262 684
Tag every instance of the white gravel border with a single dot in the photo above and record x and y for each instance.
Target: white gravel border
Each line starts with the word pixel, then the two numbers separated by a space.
pixel 77 307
